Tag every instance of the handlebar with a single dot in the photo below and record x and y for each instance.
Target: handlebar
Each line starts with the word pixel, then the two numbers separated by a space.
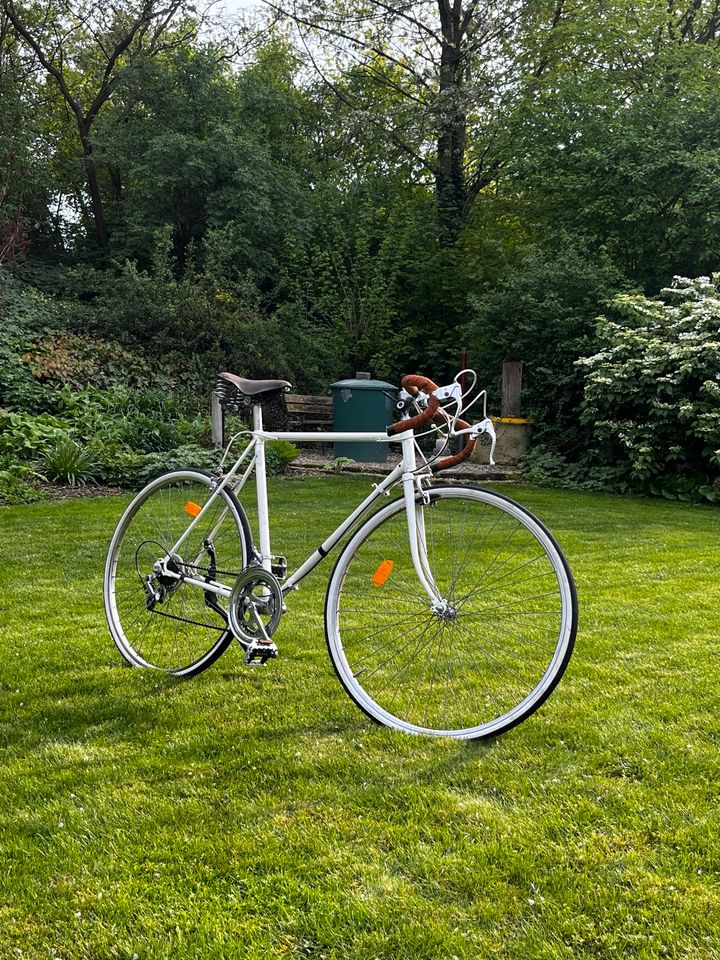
pixel 413 383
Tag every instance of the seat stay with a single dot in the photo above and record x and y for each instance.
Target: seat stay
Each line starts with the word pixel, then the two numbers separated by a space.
pixel 235 487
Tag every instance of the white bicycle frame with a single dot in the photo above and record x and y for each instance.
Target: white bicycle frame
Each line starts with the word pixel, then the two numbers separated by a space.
pixel 406 470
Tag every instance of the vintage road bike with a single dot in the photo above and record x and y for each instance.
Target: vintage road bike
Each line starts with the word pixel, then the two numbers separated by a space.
pixel 450 610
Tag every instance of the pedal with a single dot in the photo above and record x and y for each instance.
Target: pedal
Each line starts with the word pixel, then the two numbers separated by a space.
pixel 278 566
pixel 259 652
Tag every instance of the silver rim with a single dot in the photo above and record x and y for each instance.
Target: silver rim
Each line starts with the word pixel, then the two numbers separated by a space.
pixel 149 526
pixel 495 653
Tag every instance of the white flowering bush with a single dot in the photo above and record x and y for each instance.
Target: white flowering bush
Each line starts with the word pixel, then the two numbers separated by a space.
pixel 652 392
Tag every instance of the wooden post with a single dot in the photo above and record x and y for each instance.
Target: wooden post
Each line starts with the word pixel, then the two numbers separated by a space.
pixel 218 421
pixel 511 388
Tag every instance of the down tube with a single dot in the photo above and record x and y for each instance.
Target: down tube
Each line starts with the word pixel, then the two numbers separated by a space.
pixel 322 551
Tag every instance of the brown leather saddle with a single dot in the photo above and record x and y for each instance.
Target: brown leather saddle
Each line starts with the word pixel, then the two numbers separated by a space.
pixel 234 391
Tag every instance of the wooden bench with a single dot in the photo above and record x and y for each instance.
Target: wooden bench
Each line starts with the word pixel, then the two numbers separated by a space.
pixel 308 413
pixel 302 412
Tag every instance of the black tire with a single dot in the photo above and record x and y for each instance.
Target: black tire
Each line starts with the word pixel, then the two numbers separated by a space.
pixel 161 639
pixel 488 659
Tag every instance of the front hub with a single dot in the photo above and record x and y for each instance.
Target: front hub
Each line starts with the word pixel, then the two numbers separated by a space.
pixel 444 611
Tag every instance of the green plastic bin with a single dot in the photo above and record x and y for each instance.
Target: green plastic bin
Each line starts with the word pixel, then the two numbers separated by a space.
pixel 362 405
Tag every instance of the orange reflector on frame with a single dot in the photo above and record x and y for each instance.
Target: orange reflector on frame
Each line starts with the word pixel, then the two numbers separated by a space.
pixel 192 508
pixel 382 573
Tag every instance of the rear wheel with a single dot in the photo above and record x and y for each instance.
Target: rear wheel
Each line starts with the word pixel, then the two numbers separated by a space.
pixel 178 633
pixel 484 656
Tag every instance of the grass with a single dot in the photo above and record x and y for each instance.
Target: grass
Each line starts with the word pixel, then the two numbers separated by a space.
pixel 259 814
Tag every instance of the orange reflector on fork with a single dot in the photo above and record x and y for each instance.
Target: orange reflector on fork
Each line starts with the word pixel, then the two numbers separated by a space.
pixel 382 573
pixel 192 508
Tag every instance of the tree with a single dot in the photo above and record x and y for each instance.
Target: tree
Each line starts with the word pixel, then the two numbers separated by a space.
pixel 14 157
pixel 620 159
pixel 84 46
pixel 424 55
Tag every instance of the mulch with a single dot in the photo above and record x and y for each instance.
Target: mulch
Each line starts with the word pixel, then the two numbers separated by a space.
pixel 55 491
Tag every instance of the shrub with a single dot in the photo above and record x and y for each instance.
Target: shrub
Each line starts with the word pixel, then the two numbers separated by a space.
pixel 73 359
pixel 16 484
pixel 148 420
pixel 550 469
pixel 25 435
pixel 652 391
pixel 117 464
pixel 25 314
pixel 543 314
pixel 188 455
pixel 68 462
pixel 18 389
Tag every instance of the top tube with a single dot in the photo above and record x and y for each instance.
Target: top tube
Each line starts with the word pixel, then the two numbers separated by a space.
pixel 323 437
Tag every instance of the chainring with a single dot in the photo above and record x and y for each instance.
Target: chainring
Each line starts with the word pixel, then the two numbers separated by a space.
pixel 257 595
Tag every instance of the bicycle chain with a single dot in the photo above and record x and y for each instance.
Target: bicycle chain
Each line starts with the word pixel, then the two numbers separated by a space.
pixel 196 623
pixel 196 566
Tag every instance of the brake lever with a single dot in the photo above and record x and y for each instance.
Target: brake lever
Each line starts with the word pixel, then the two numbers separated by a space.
pixel 483 426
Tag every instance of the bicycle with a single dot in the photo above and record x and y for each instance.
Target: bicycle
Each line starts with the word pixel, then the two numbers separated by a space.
pixel 450 610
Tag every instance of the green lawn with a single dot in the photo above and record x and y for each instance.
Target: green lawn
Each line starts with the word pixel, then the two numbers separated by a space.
pixel 259 814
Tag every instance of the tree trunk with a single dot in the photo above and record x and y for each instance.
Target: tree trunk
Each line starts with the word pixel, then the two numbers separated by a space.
pixel 450 185
pixel 117 183
pixel 101 231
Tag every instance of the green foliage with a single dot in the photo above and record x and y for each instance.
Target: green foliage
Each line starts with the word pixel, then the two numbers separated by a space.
pixel 259 222
pixel 117 463
pixel 547 468
pixel 652 391
pixel 68 462
pixel 279 454
pixel 18 389
pixel 633 175
pixel 147 420
pixel 25 435
pixel 25 314
pixel 62 358
pixel 337 465
pixel 542 313
pixel 188 455
pixel 17 482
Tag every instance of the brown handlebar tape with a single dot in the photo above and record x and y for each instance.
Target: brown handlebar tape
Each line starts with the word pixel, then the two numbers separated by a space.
pixel 456 458
pixel 412 383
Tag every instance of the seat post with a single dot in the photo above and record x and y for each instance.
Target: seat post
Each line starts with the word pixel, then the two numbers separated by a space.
pixel 261 486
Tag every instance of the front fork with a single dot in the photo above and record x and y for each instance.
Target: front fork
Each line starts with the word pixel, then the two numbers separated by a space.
pixel 416 499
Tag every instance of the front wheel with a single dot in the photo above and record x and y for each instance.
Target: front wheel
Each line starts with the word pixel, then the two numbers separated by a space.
pixel 491 647
pixel 160 621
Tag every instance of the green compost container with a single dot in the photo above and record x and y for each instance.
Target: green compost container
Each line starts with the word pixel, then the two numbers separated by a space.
pixel 362 405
